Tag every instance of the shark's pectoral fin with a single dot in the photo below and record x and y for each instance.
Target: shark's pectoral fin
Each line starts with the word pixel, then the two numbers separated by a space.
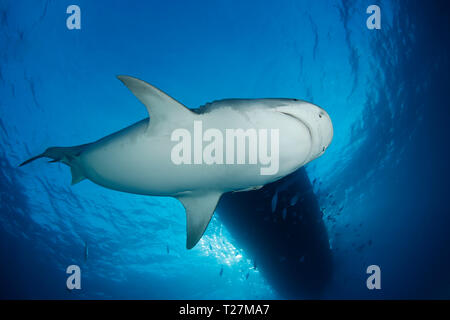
pixel 160 106
pixel 199 207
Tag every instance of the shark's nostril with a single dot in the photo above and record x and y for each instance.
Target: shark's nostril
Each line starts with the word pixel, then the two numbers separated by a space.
pixel 321 113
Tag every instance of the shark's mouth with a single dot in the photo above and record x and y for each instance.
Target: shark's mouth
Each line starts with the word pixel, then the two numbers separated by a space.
pixel 307 126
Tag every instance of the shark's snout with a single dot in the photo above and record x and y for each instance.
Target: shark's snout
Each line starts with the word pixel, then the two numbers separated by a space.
pixel 316 120
pixel 326 129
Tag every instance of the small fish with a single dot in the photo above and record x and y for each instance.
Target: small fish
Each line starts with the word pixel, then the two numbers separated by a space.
pixel 294 200
pixel 247 275
pixel 284 213
pixel 274 202
pixel 86 251
pixel 221 271
pixel 168 249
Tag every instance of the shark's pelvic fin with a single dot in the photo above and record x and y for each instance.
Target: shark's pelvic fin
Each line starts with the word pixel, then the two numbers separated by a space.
pixel 160 106
pixel 77 174
pixel 199 207
pixel 66 155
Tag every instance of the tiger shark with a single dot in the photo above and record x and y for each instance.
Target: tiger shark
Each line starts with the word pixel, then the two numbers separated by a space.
pixel 139 159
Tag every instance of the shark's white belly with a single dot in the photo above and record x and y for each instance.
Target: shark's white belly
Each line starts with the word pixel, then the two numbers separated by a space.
pixel 134 161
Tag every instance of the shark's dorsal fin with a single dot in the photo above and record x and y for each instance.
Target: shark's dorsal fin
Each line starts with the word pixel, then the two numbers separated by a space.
pixel 199 207
pixel 160 106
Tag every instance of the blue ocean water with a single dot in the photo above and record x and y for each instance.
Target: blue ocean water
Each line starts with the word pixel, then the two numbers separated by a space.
pixel 382 185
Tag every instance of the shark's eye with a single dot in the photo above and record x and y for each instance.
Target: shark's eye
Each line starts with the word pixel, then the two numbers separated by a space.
pixel 320 115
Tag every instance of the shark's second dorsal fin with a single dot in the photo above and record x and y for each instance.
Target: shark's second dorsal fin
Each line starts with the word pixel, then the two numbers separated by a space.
pixel 160 106
pixel 199 207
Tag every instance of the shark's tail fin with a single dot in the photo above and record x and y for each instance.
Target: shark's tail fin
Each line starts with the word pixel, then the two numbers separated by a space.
pixel 66 155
